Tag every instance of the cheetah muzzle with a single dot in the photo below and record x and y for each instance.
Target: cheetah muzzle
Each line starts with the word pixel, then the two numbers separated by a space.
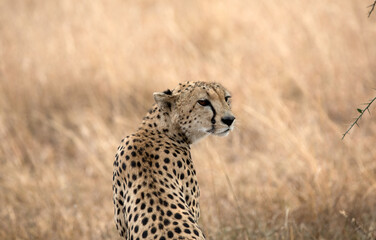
pixel 155 189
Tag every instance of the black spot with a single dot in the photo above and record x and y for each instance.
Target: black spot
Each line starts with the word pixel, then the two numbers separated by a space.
pixel 168 92
pixel 145 234
pixel 153 230
pixel 177 215
pixel 166 151
pixel 166 222
pixel 123 166
pixel 187 231
pixel 133 164
pixel 177 230
pixel 133 153
pixel 145 221
pixel 179 164
pixel 196 232
pixel 167 160
pixel 170 234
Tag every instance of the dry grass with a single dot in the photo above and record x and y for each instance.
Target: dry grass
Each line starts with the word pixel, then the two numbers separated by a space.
pixel 77 76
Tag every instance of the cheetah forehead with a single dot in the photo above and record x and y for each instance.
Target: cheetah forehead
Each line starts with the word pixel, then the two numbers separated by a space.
pixel 201 90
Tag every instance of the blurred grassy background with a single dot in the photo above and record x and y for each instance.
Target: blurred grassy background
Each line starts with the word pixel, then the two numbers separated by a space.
pixel 78 76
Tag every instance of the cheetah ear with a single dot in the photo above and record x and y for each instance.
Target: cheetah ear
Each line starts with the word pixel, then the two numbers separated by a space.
pixel 165 100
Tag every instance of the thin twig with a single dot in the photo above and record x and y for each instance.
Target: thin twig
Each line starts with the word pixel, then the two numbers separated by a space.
pixel 372 6
pixel 360 116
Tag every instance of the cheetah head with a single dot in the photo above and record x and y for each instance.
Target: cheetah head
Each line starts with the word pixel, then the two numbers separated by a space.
pixel 198 109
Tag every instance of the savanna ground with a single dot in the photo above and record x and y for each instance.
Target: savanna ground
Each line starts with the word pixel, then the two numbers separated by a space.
pixel 78 76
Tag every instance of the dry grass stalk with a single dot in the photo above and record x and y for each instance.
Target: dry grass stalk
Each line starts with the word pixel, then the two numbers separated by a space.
pixel 358 227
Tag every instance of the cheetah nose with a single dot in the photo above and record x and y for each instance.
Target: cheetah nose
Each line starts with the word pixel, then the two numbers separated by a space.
pixel 228 120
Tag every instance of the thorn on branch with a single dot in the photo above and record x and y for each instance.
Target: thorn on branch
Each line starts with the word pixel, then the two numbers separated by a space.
pixel 361 111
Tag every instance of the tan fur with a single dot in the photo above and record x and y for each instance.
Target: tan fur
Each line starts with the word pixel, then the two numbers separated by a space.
pixel 155 189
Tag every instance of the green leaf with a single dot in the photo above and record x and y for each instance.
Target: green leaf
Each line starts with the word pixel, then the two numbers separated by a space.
pixel 359 110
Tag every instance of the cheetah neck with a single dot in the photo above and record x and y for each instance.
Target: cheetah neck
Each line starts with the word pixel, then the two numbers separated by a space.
pixel 159 122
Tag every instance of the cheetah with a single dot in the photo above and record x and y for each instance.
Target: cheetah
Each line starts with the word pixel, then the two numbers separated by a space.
pixel 155 189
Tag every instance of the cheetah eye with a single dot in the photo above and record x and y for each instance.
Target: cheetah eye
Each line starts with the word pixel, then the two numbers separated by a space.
pixel 203 102
pixel 227 98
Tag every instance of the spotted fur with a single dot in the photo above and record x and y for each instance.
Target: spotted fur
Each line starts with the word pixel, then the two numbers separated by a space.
pixel 155 189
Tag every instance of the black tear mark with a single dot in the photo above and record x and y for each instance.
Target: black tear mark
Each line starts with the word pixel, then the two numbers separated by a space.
pixel 214 113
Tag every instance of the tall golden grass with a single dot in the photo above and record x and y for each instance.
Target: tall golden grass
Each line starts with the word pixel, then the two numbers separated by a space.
pixel 77 76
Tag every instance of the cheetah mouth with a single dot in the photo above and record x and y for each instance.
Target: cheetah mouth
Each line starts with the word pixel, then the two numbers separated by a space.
pixel 225 132
pixel 222 133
